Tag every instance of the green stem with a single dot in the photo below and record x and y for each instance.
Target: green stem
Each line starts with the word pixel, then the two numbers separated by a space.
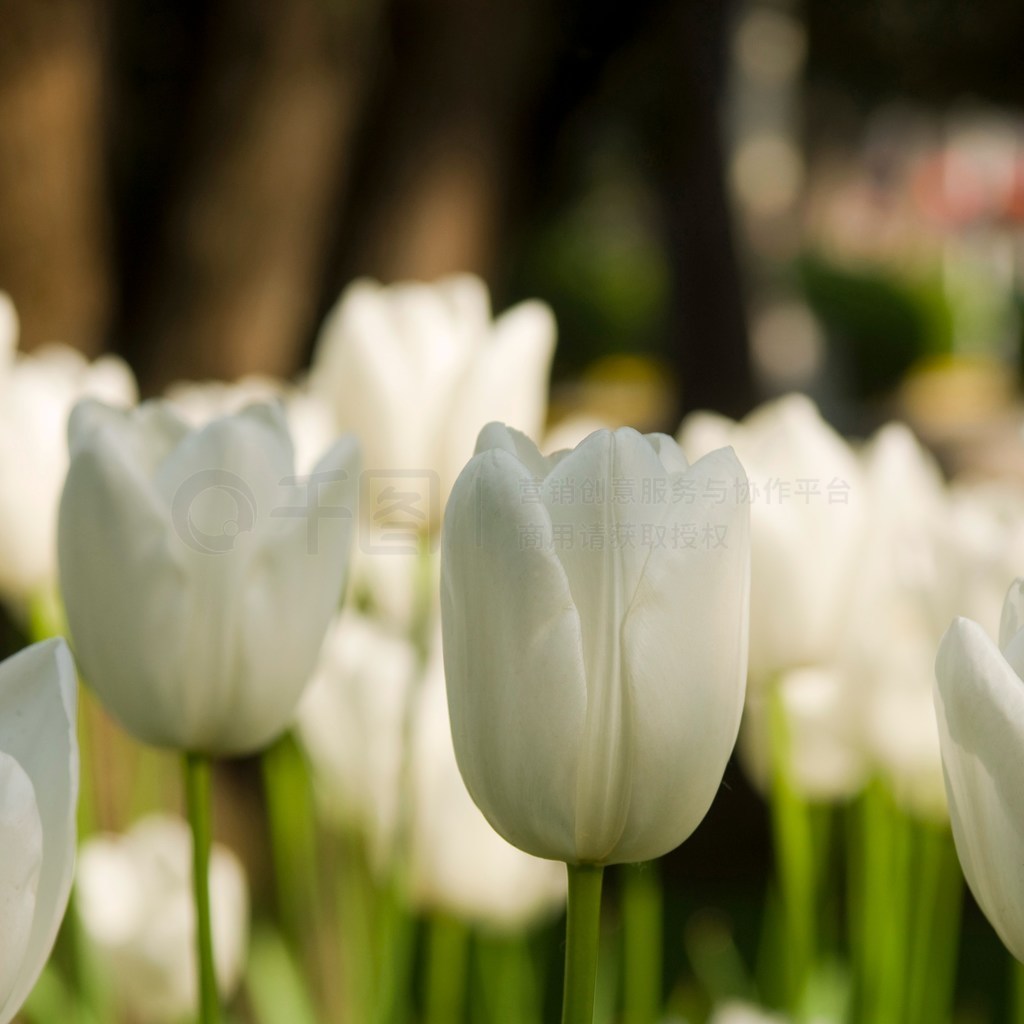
pixel 396 947
pixel 793 840
pixel 893 917
pixel 582 932
pixel 939 900
pixel 447 961
pixel 642 938
pixel 198 792
pixel 290 817
pixel 354 917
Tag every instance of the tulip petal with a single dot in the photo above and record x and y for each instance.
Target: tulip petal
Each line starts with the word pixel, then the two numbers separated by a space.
pixel 391 356
pixel 507 382
pixel 38 700
pixel 672 456
pixel 513 657
pixel 21 843
pixel 458 863
pixel 1012 620
pixel 114 544
pixel 515 442
pixel 599 520
pixel 146 434
pixel 684 642
pixel 979 704
pixel 294 585
pixel 221 484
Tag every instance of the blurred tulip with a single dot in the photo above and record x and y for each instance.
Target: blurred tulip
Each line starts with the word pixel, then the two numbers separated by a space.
pixel 38 799
pixel 984 542
pixel 594 607
pixel 417 369
pixel 37 393
pixel 199 574
pixel 134 899
pixel 979 702
pixel 352 722
pixel 459 864
pixel 899 608
pixel 736 1012
pixel 807 515
pixel 823 713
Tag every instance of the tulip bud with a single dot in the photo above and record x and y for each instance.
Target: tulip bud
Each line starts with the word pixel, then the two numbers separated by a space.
pixel 38 797
pixel 199 573
pixel 979 702
pixel 594 610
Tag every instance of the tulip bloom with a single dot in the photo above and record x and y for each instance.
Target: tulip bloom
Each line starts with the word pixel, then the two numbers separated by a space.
pixel 38 797
pixel 979 701
pixel 595 611
pixel 417 369
pixel 134 898
pixel 37 392
pixel 807 524
pixel 199 574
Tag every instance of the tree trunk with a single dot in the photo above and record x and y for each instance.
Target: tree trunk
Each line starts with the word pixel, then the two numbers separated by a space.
pixel 238 265
pixel 53 224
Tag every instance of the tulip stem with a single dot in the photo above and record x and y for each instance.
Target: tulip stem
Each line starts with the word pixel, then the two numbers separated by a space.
pixel 198 791
pixel 793 839
pixel 582 932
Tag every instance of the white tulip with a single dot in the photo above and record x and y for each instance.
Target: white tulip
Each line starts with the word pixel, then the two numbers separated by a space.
pixel 352 723
pixel 134 898
pixel 984 538
pixel 899 608
pixel 824 732
pixel 38 800
pixel 199 574
pixel 459 863
pixel 979 702
pixel 37 392
pixel 595 606
pixel 807 516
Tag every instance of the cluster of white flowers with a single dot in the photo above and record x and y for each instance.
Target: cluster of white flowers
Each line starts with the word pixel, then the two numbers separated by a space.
pixel 851 592
pixel 198 582
pixel 559 678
